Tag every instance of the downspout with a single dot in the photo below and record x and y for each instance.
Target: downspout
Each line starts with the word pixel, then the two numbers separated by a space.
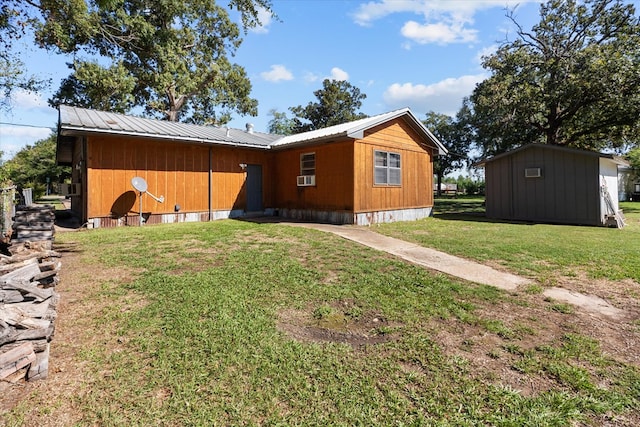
pixel 210 183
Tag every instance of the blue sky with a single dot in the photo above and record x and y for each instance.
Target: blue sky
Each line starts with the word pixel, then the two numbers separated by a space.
pixel 422 54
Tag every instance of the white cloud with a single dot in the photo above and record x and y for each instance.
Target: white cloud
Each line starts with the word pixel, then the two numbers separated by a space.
pixel 265 17
pixel 277 73
pixel 445 21
pixel 310 77
pixel 459 9
pixel 338 74
pixel 21 99
pixel 437 33
pixel 15 138
pixel 442 97
pixel 24 131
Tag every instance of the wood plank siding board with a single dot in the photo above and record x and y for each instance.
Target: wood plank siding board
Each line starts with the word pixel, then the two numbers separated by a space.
pixel 179 172
pixel 334 187
pixel 416 168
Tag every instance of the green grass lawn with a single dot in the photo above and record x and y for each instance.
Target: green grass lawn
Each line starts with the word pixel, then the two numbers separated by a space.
pixel 540 251
pixel 236 323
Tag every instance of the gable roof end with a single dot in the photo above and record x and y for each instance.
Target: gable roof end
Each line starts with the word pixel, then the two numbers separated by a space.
pixel 357 128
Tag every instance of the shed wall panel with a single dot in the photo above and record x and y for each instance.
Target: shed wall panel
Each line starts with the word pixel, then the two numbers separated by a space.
pixel 566 192
pixel 499 193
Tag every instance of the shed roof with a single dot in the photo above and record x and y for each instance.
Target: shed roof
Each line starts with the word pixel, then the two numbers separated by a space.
pixel 357 128
pixel 74 120
pixel 614 158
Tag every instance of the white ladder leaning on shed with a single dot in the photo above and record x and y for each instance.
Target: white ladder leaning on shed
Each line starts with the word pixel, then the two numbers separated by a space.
pixel 612 214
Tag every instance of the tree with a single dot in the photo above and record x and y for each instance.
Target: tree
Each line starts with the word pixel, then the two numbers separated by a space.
pixel 13 20
pixel 338 102
pixel 170 57
pixel 32 165
pixel 448 131
pixel 280 124
pixel 634 161
pixel 573 80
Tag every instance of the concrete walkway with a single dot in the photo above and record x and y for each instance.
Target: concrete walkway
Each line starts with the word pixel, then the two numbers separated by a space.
pixel 425 257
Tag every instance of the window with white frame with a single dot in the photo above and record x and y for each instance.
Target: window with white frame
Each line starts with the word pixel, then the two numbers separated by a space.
pixel 308 164
pixel 387 168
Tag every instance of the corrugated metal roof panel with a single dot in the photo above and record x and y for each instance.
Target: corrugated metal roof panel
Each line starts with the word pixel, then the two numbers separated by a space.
pixel 74 119
pixel 614 158
pixel 357 128
pixel 82 119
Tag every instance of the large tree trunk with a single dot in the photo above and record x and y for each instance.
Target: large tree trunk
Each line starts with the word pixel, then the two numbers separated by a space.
pixel 175 104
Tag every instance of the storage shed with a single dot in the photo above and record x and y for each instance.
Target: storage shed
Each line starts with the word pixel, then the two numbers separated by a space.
pixel 378 169
pixel 553 184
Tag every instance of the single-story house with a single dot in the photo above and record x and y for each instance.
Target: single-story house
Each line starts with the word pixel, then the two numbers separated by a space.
pixel 553 184
pixel 377 169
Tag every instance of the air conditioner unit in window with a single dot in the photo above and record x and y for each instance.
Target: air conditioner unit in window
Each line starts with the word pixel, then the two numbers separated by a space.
pixel 306 180
pixel 532 173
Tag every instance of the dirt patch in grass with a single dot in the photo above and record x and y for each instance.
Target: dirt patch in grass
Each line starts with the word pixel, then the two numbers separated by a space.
pixel 622 294
pixel 54 402
pixel 336 322
pixel 524 323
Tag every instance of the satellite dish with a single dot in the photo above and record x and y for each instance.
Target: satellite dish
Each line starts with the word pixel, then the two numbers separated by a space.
pixel 140 185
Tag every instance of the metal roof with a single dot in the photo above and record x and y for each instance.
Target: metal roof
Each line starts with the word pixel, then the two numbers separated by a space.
pixel 75 119
pixel 357 128
pixel 614 158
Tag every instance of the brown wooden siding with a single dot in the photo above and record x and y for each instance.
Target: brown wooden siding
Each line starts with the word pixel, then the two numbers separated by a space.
pixel 178 171
pixel 416 168
pixel 334 178
pixel 567 191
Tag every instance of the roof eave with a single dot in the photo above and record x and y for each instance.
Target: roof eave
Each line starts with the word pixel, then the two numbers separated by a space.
pixel 74 130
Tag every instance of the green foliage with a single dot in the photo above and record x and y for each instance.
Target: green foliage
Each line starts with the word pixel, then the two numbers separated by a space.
pixel 92 85
pixel 170 57
pixel 634 160
pixel 467 184
pixel 572 80
pixel 445 128
pixel 338 102
pixel 32 165
pixel 14 18
pixel 280 124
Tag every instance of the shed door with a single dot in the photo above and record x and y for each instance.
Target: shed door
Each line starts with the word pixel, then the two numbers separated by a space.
pixel 254 188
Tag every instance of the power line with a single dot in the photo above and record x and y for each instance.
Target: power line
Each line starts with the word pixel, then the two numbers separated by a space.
pixel 28 126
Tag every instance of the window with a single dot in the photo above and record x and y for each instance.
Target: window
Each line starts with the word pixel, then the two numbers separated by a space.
pixel 387 168
pixel 308 164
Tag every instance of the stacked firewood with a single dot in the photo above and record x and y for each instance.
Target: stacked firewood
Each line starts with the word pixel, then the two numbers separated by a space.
pixel 28 300
pixel 33 223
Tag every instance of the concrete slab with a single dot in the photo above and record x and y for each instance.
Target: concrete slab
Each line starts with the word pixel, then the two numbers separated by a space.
pixel 591 303
pixel 425 257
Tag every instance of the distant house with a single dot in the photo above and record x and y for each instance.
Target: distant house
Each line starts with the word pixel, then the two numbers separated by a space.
pixel 378 169
pixel 553 184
